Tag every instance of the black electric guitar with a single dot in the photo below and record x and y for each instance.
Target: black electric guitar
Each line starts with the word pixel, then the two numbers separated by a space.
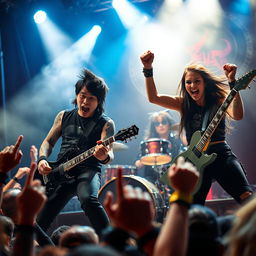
pixel 61 168
pixel 199 143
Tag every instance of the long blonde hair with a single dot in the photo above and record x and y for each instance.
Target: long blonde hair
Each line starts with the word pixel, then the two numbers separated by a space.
pixel 242 236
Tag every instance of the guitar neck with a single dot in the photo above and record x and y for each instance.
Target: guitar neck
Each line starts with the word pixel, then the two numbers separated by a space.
pixel 215 121
pixel 85 155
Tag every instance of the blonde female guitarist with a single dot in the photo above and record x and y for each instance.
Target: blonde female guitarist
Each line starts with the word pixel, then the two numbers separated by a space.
pixel 202 101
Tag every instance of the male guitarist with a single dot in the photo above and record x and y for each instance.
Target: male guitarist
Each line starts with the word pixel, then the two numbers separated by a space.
pixel 80 129
pixel 201 94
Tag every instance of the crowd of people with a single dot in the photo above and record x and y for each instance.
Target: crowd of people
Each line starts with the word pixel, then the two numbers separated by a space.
pixel 127 225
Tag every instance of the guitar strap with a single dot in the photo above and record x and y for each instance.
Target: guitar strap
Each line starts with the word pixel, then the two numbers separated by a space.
pixel 205 120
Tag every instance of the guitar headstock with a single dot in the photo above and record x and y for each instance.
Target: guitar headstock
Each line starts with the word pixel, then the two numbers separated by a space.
pixel 127 133
pixel 244 81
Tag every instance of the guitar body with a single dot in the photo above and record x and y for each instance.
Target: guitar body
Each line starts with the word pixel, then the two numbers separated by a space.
pixel 199 159
pixel 195 153
pixel 54 178
pixel 64 170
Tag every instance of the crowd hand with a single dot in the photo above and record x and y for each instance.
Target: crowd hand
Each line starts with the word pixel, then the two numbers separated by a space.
pixel 32 192
pixel 183 176
pixel 230 71
pixel 101 152
pixel 147 59
pixel 133 209
pixel 25 170
pixel 11 156
pixel 22 172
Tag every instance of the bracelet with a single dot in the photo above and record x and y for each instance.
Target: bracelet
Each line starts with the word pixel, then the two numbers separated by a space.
pixel 15 179
pixel 153 233
pixel 3 178
pixel 148 72
pixel 181 198
pixel 41 158
pixel 232 84
pixel 106 160
pixel 181 202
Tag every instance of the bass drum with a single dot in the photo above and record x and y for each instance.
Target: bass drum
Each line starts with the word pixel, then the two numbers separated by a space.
pixel 146 186
pixel 110 172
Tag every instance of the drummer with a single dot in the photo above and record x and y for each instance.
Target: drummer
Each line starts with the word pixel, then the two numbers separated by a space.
pixel 161 126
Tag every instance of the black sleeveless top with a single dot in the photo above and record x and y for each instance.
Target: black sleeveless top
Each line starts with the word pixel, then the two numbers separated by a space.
pixel 74 128
pixel 195 119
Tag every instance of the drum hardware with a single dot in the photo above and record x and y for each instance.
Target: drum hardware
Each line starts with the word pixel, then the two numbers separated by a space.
pixel 145 185
pixel 110 172
pixel 155 152
pixel 165 192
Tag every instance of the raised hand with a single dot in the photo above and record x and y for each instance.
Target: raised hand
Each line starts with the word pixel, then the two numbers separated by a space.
pixel 32 192
pixel 183 176
pixel 147 59
pixel 22 172
pixel 133 209
pixel 230 71
pixel 10 156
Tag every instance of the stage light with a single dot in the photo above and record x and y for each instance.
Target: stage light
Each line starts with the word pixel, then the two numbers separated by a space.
pixel 128 14
pixel 96 29
pixel 40 17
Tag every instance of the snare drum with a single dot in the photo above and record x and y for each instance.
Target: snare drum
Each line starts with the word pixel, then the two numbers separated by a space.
pixel 110 171
pixel 145 185
pixel 155 152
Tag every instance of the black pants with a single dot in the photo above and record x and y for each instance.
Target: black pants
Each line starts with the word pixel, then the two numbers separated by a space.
pixel 227 171
pixel 86 187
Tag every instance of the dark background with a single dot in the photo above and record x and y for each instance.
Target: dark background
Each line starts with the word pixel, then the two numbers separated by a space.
pixel 33 90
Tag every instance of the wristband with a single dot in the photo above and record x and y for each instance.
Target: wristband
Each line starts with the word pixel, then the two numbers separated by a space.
pixel 148 72
pixel 41 158
pixel 181 198
pixel 153 233
pixel 105 161
pixel 232 84
pixel 15 179
pixel 3 177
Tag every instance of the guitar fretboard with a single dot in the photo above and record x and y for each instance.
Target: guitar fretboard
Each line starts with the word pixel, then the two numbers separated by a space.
pixel 85 155
pixel 215 121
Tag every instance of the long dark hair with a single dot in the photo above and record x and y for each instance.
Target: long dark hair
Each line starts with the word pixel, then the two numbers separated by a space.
pixel 215 91
pixel 95 85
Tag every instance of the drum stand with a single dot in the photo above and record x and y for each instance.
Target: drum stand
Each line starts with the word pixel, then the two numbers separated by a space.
pixel 163 189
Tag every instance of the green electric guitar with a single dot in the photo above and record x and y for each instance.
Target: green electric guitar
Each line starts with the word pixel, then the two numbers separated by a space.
pixel 199 143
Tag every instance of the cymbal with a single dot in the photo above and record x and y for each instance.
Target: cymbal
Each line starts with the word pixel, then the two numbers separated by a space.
pixel 117 146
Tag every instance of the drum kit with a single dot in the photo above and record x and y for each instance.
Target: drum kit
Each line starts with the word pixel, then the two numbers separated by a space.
pixel 154 153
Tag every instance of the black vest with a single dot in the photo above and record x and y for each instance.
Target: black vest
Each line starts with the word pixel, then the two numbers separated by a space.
pixel 194 122
pixel 74 127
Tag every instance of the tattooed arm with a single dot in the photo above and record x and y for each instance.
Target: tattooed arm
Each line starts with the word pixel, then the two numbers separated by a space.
pixel 48 144
pixel 105 154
